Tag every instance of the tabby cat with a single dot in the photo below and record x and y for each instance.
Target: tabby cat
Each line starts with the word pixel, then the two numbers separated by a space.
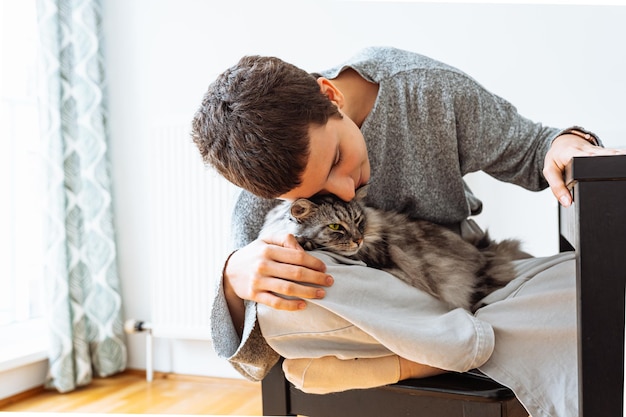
pixel 423 254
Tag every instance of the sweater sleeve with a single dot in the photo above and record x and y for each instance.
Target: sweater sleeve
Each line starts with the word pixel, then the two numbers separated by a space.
pixel 493 137
pixel 250 355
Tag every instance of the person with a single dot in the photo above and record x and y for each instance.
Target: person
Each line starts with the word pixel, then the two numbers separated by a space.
pixel 410 127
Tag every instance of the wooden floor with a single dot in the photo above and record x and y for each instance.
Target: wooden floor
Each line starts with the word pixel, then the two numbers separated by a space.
pixel 129 393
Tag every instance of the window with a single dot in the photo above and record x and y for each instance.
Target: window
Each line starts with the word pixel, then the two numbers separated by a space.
pixel 21 168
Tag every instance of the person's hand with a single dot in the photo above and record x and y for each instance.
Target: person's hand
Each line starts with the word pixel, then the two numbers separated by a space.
pixel 563 149
pixel 272 267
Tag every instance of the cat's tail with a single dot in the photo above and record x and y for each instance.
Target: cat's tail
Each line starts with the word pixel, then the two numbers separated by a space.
pixel 498 269
pixel 504 251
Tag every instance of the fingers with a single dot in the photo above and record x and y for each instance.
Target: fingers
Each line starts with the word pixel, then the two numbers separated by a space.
pixel 554 176
pixel 283 294
pixel 285 287
pixel 609 151
pixel 287 241
pixel 285 272
pixel 277 272
pixel 297 257
pixel 280 303
pixel 563 149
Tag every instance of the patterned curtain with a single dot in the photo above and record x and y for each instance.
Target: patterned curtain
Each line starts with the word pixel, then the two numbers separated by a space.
pixel 82 283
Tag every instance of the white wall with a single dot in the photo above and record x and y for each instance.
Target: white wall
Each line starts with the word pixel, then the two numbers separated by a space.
pixel 560 65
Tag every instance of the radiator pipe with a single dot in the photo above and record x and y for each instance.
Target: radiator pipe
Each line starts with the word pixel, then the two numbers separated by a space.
pixel 138 326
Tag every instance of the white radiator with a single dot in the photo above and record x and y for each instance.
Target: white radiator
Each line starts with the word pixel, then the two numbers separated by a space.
pixel 190 234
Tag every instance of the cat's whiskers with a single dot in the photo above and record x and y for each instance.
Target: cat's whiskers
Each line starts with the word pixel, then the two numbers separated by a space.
pixel 341 248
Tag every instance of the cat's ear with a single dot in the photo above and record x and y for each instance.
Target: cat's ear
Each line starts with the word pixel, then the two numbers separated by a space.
pixel 361 193
pixel 302 208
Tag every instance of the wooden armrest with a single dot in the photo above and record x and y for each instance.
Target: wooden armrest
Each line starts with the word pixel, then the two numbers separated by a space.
pixel 595 226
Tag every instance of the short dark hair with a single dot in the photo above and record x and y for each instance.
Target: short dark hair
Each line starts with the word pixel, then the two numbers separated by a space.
pixel 253 124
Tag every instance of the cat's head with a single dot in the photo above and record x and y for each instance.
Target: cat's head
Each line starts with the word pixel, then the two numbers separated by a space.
pixel 329 223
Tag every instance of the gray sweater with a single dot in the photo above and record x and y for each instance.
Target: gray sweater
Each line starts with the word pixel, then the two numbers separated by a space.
pixel 431 124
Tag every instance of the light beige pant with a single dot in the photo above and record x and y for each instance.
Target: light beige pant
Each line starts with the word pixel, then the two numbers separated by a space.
pixel 525 337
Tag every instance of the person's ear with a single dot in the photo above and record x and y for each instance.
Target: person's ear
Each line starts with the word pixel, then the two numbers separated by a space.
pixel 331 91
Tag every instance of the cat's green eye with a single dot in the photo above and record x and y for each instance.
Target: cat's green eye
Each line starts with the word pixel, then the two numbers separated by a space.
pixel 334 226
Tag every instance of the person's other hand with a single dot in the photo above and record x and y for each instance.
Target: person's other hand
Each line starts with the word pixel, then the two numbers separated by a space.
pixel 277 272
pixel 563 149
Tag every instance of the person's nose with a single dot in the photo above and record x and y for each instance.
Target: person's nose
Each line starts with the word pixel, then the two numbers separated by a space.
pixel 343 188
